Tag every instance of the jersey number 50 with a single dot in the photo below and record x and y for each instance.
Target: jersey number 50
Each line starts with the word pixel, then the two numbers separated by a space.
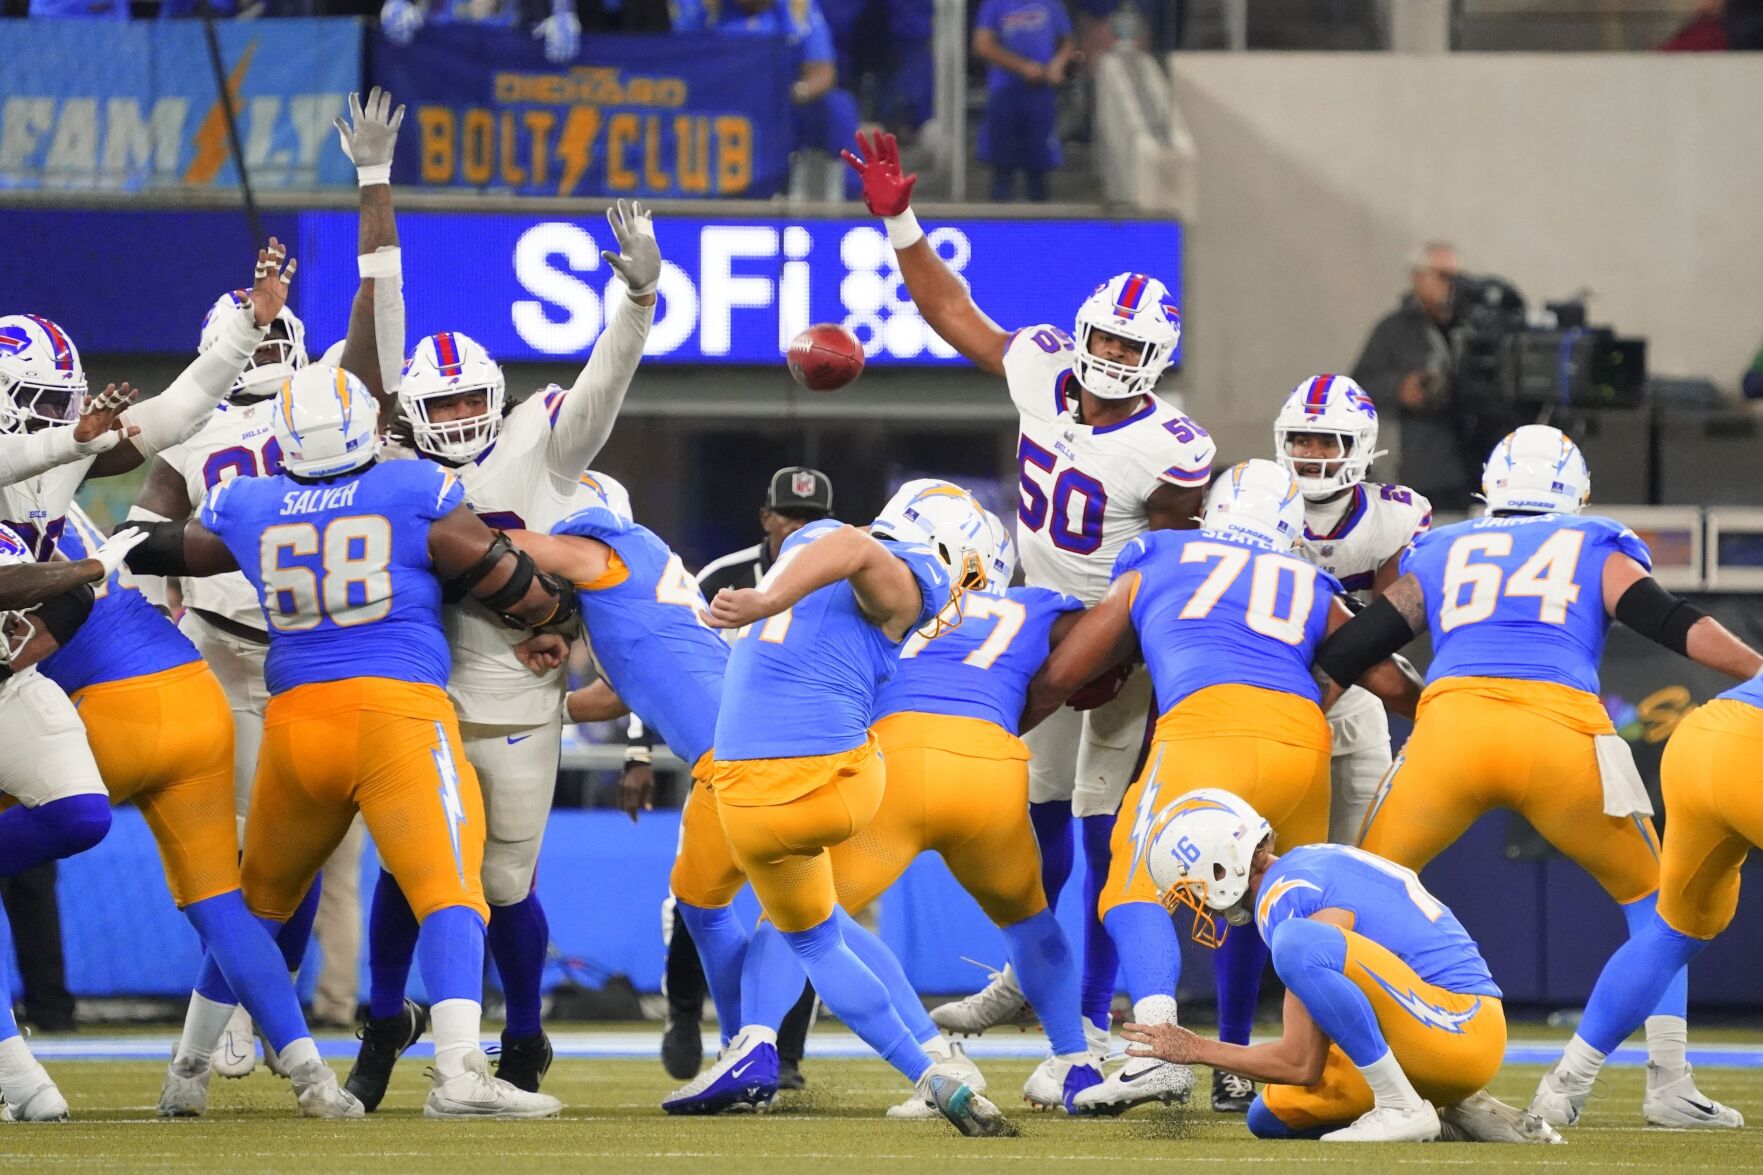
pixel 352 585
pixel 1039 509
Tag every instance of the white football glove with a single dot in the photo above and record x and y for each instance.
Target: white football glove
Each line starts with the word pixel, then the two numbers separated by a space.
pixel 116 548
pixel 371 135
pixel 638 260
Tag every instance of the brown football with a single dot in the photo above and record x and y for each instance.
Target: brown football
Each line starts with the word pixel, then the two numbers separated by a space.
pixel 825 357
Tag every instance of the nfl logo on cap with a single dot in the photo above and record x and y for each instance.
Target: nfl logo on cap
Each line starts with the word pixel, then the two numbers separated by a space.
pixel 802 483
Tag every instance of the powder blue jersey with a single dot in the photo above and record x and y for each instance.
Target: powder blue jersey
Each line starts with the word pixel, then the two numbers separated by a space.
pixel 1389 906
pixel 648 637
pixel 804 682
pixel 1519 597
pixel 983 667
pixel 124 637
pixel 1750 692
pixel 1215 609
pixel 342 570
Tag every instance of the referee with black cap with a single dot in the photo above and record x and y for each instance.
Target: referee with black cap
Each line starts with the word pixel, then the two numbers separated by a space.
pixel 797 496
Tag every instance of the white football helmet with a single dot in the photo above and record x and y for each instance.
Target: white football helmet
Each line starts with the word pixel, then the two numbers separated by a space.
pixel 1199 854
pixel 1003 568
pixel 448 364
pixel 1258 500
pixel 281 353
pixel 41 378
pixel 326 423
pixel 1134 307
pixel 15 626
pixel 1330 405
pixel 1536 469
pixel 603 492
pixel 944 517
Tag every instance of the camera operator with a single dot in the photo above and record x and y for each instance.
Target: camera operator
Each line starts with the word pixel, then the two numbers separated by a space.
pixel 1406 367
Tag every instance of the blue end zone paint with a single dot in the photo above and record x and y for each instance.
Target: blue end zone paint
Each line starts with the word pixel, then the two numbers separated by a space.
pixel 642 1046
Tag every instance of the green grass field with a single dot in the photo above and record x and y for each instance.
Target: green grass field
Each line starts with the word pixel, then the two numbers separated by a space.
pixel 612 1123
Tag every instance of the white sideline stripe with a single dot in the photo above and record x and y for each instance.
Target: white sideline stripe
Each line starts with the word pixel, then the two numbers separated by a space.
pixel 643 1046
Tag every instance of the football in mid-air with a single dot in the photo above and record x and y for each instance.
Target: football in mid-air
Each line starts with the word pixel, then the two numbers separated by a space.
pixel 825 357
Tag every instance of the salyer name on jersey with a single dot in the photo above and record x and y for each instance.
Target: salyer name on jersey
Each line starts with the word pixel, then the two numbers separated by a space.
pixel 237 441
pixel 804 682
pixel 1520 597
pixel 981 668
pixel 1212 609
pixel 343 570
pixel 1380 520
pixel 1389 906
pixel 1083 489
pixel 511 485
pixel 647 636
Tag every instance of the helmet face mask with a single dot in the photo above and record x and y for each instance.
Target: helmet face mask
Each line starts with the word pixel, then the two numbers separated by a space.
pixel 1327 406
pixel 278 357
pixel 441 370
pixel 1129 309
pixel 41 378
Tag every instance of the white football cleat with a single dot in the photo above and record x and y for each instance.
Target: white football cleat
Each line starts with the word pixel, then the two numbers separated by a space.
pixel 998 1003
pixel 1677 1102
pixel 185 1092
pixel 33 1098
pixel 272 1060
pixel 1481 1117
pixel 473 1093
pixel 1055 1081
pixel 236 1053
pixel 1140 1080
pixel 319 1095
pixel 914 1109
pixel 1391 1124
pixel 1100 1042
pixel 962 1066
pixel 1554 1104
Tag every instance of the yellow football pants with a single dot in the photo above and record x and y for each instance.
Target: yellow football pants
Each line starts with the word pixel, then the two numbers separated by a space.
pixel 1445 1064
pixel 705 873
pixel 165 741
pixel 1713 780
pixel 782 846
pixel 388 749
pixel 1205 741
pixel 970 809
pixel 1483 743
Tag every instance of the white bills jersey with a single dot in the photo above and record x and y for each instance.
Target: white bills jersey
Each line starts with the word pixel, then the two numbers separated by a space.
pixel 510 486
pixel 1083 489
pixel 1351 544
pixel 36 508
pixel 237 441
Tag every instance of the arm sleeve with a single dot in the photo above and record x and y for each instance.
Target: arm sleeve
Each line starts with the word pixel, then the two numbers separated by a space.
pixel 176 413
pixel 25 455
pixel 584 418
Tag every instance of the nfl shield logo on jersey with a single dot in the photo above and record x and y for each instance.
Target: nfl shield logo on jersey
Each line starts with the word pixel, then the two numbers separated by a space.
pixel 802 483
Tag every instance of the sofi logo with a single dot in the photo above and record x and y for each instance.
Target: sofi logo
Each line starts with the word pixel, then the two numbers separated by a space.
pixel 744 292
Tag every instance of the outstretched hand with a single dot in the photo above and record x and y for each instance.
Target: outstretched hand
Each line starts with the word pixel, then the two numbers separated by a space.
pixel 102 413
pixel 269 291
pixel 886 191
pixel 1166 1042
pixel 638 260
pixel 371 134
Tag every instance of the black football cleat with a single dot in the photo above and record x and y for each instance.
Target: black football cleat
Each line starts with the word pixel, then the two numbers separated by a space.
pixel 383 1040
pixel 1231 1094
pixel 523 1063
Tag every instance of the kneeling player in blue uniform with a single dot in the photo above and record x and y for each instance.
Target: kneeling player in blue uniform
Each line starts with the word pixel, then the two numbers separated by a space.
pixel 1390 1010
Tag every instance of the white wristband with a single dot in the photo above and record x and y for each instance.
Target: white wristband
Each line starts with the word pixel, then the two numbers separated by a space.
pixel 375 173
pixel 386 261
pixel 903 230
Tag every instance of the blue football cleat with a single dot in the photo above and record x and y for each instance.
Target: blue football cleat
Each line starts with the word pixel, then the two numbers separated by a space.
pixel 744 1076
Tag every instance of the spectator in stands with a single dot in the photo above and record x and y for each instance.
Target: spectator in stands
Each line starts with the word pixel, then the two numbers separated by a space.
pixel 552 21
pixel 1405 367
pixel 825 116
pixel 1028 45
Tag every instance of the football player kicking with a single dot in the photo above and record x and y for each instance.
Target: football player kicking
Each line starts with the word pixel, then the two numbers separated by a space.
pixel 348 557
pixel 521 467
pixel 797 770
pixel 1103 459
pixel 1389 1011
pixel 1518 604
pixel 160 732
pixel 1226 619
pixel 1713 776
pixel 1326 436
pixel 64 807
pixel 222 617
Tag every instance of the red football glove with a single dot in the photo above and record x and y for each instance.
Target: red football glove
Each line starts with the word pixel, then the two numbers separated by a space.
pixel 885 190
pixel 1101 690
